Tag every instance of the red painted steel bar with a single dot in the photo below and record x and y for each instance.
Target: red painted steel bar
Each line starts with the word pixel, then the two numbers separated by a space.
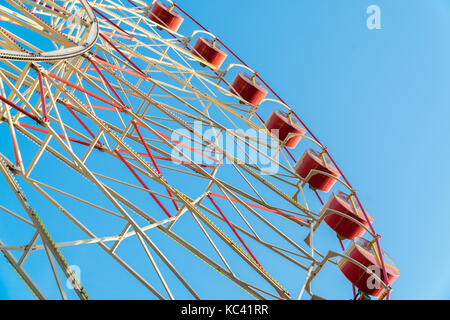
pixel 117 35
pixel 41 89
pixel 168 159
pixel 261 207
pixel 318 196
pixel 46 5
pixel 143 184
pixel 132 3
pixel 233 229
pixel 237 235
pixel 101 61
pixel 184 145
pixel 96 96
pixel 98 147
pixel 80 121
pixel 153 161
pixel 122 54
pixel 21 110
pixel 108 84
pixel 112 23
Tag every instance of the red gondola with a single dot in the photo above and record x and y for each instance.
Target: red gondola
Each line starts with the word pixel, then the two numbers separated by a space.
pixel 210 51
pixel 283 126
pixel 344 227
pixel 313 160
pixel 166 16
pixel 363 252
pixel 248 88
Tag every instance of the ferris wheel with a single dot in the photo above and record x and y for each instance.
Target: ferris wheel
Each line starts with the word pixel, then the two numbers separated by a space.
pixel 139 147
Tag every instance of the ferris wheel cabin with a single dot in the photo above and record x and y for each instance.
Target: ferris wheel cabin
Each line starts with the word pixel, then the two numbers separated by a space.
pixel 210 51
pixel 248 88
pixel 313 160
pixel 166 16
pixel 286 128
pixel 363 252
pixel 343 226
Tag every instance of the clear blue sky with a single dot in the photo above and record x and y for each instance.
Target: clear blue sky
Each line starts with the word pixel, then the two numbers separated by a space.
pixel 379 99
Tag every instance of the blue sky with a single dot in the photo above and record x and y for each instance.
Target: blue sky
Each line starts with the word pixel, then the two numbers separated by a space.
pixel 377 98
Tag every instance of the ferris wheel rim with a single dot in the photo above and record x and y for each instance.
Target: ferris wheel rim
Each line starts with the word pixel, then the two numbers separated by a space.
pixel 60 54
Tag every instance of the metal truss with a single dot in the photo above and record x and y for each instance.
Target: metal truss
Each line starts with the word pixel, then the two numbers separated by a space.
pixel 92 107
